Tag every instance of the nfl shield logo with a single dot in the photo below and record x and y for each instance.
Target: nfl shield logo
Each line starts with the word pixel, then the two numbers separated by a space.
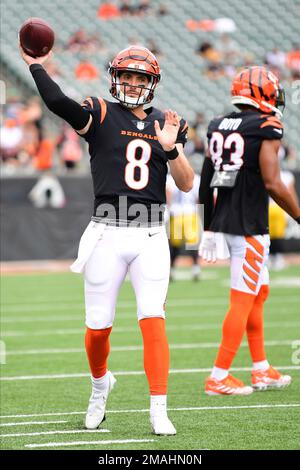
pixel 140 125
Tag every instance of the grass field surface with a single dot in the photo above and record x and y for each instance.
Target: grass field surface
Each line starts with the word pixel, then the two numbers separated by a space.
pixel 45 383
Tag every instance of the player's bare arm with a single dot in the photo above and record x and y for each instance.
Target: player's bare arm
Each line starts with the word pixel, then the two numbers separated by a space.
pixel 180 168
pixel 270 171
pixel 61 105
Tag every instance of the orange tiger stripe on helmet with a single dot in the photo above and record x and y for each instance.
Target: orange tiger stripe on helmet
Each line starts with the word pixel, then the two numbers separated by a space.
pixel 258 87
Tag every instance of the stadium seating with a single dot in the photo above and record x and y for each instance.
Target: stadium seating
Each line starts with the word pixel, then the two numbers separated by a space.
pixel 260 26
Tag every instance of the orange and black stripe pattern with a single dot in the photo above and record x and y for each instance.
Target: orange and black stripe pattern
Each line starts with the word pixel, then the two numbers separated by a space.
pixel 258 84
pixel 253 263
pixel 272 121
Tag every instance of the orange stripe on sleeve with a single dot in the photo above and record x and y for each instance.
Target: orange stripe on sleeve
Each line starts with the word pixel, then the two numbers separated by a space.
pixel 272 121
pixel 103 109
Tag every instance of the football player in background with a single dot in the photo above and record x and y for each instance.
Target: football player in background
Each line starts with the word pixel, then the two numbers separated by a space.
pixel 278 223
pixel 184 223
pixel 130 148
pixel 243 165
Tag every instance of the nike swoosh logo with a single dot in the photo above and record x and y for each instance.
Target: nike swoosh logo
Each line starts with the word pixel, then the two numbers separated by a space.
pixel 152 234
pixel 278 130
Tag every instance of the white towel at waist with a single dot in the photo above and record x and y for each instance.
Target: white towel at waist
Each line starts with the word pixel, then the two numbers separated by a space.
pixel 90 236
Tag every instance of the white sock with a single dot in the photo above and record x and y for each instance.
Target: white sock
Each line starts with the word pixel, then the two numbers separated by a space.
pixel 196 270
pixel 158 405
pixel 218 373
pixel 99 384
pixel 261 365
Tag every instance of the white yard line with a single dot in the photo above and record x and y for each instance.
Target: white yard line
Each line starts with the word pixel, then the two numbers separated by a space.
pixel 146 410
pixel 86 443
pixel 62 306
pixel 33 352
pixel 47 433
pixel 191 326
pixel 31 423
pixel 130 373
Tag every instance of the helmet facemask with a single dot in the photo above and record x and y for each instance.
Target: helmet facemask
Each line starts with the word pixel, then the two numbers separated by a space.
pixel 145 93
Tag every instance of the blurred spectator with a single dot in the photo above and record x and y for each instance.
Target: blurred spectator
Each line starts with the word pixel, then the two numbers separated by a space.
pixel 153 47
pixel 126 8
pixel 199 125
pixel 32 113
pixel 229 49
pixel 70 149
pixel 53 70
pixel 108 11
pixel 276 58
pixel 43 159
pixel 213 60
pixel 80 41
pixel 293 59
pixel 143 8
pixel 162 10
pixel 219 25
pixel 86 71
pixel 11 139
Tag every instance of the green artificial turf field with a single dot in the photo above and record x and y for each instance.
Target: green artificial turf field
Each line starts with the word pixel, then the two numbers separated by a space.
pixel 45 383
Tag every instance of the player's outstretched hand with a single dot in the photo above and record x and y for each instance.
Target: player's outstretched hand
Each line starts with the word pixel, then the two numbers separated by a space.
pixel 208 247
pixel 33 60
pixel 168 135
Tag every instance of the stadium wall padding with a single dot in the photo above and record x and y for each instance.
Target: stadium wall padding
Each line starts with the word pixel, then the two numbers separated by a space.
pixel 29 233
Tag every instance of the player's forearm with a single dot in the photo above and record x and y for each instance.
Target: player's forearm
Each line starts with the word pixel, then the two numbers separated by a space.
pixel 283 198
pixel 206 198
pixel 57 101
pixel 182 172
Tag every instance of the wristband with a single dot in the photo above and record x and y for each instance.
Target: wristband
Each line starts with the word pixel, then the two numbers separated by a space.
pixel 172 154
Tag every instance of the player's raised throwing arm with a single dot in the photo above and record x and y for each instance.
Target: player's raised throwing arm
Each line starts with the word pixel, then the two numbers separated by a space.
pixel 60 104
pixel 270 171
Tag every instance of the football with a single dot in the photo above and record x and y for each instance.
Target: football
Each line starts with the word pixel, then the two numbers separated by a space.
pixel 36 37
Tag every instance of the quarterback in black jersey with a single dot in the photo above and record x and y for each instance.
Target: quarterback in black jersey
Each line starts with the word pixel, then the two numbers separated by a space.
pixel 242 166
pixel 129 148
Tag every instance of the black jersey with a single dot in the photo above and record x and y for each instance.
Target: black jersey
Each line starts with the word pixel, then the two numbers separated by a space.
pixel 234 144
pixel 125 156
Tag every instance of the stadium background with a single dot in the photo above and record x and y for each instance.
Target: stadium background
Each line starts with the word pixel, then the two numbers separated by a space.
pixel 200 44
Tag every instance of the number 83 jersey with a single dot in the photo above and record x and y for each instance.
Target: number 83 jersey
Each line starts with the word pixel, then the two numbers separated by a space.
pixel 234 145
pixel 125 156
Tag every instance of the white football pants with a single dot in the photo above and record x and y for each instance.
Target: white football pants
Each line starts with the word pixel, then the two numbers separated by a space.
pixel 249 256
pixel 141 252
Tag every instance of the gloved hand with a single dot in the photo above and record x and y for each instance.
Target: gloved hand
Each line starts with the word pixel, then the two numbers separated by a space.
pixel 208 247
